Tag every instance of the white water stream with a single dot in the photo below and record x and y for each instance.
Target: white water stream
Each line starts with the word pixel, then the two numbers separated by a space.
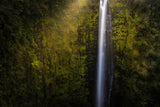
pixel 105 57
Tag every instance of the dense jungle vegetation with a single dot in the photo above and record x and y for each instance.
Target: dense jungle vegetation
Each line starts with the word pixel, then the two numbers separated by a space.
pixel 48 53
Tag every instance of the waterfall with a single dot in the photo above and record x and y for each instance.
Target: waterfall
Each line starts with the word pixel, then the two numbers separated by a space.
pixel 105 56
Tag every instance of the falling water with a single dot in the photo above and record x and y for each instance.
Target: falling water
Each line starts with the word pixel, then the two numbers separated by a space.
pixel 105 58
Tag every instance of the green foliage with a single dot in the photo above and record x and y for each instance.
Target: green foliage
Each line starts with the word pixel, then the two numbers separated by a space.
pixel 136 55
pixel 43 52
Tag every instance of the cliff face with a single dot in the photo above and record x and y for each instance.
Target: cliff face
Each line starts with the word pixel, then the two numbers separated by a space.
pixel 135 29
pixel 47 52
